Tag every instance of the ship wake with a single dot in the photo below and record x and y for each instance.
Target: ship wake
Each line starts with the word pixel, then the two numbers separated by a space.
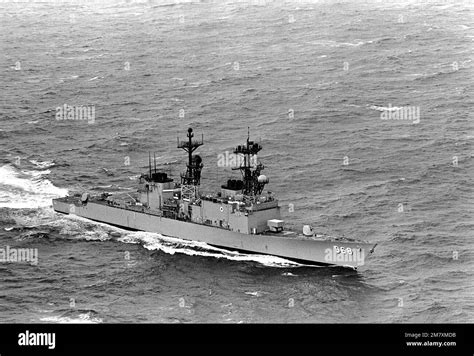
pixel 27 188
pixel 172 245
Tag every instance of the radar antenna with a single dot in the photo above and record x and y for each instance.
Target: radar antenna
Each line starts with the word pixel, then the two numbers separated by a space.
pixel 191 179
pixel 253 181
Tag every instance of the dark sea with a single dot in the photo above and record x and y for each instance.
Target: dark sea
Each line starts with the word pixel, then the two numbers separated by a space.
pixel 314 81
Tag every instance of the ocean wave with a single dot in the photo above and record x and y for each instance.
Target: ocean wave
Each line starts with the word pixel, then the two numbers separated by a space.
pixel 42 165
pixel 71 77
pixel 384 39
pixel 20 189
pixel 74 227
pixel 384 108
pixel 435 75
pixel 331 43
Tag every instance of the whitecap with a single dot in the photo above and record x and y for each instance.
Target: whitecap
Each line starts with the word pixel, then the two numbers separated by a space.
pixel 383 108
pixel 42 164
pixel 255 294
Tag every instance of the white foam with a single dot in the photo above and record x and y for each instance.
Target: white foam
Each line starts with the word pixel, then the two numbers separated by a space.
pixel 255 294
pixel 21 189
pixel 331 43
pixel 171 245
pixel 42 165
pixel 81 319
pixel 383 108
pixel 79 228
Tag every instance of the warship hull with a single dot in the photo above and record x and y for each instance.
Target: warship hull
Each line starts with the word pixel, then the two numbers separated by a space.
pixel 288 245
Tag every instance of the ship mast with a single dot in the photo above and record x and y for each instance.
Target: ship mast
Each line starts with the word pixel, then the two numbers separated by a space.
pixel 192 178
pixel 253 181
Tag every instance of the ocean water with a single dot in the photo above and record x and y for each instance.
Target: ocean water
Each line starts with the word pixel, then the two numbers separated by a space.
pixel 312 80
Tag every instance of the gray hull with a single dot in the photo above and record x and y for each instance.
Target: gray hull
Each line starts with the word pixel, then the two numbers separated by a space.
pixel 295 248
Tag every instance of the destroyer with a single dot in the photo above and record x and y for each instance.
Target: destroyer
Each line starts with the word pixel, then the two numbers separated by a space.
pixel 241 216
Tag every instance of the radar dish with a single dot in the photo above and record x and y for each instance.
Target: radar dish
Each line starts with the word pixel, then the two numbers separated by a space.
pixel 263 179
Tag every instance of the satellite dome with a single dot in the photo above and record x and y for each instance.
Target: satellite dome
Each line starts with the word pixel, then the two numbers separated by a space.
pixel 84 197
pixel 308 230
pixel 263 179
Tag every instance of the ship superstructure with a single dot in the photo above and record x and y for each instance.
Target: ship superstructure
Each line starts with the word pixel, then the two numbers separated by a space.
pixel 239 206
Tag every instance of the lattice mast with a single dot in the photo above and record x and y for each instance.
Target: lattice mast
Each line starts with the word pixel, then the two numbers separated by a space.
pixel 191 179
pixel 254 182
